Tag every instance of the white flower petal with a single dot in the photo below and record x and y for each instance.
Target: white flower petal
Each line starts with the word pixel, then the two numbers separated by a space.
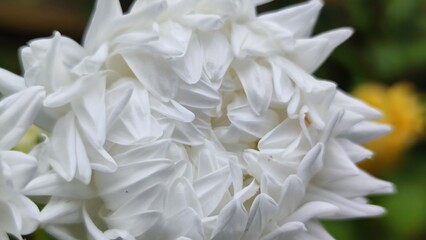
pixel 100 160
pixel 231 222
pixel 157 149
pixel 118 234
pixel 366 131
pixel 313 210
pixel 10 83
pixel 182 195
pixel 51 66
pixel 159 80
pixel 18 112
pixel 53 185
pixel 29 213
pixel 9 220
pixel 93 63
pixel 71 161
pixel 203 22
pixel 128 177
pixel 46 119
pixel 106 12
pixel 299 76
pixel 184 223
pixel 135 123
pixel 292 194
pixel 337 165
pixel 148 225
pixel 315 229
pixel 298 19
pixel 116 99
pixel 347 208
pixel 246 120
pixel 219 7
pixel 247 192
pixel 91 114
pixel 218 56
pixel 257 83
pixel 287 230
pixel 23 167
pixel 189 67
pixel 153 198
pixel 239 35
pixel 92 229
pixel 187 133
pixel 355 152
pixel 173 110
pixel 281 136
pixel 173 41
pixel 311 163
pixel 61 211
pixel 360 185
pixel 347 102
pixel 141 36
pixel 311 53
pixel 178 8
pixel 283 86
pixel 261 212
pixel 66 94
pixel 200 95
pixel 210 189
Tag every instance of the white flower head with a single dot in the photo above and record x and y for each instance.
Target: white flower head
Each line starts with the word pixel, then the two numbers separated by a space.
pixel 196 119
pixel 18 214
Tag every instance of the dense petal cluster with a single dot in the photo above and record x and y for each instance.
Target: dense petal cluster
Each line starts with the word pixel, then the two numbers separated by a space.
pixel 190 119
pixel 18 214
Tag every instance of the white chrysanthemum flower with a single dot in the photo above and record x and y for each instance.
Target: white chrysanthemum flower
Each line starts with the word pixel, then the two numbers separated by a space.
pixel 18 214
pixel 196 119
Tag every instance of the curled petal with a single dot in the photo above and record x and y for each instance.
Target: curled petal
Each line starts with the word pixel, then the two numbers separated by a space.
pixel 257 83
pixel 287 230
pixel 298 19
pixel 17 113
pixel 10 83
pixel 231 222
pixel 261 212
pixel 311 53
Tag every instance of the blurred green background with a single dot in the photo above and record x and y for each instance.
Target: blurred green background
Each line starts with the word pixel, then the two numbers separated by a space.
pixel 388 47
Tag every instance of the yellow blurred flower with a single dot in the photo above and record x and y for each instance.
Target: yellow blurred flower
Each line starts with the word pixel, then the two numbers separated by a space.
pixel 403 110
pixel 30 139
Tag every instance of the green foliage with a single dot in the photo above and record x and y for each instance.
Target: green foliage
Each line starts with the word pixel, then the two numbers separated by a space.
pixel 40 234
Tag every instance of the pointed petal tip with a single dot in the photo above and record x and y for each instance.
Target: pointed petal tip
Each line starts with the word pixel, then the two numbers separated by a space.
pixel 316 4
pixel 297 225
pixel 335 37
pixel 348 31
pixel 374 211
pixel 386 188
pixel 56 34
pixel 384 129
pixel 340 35
pixel 105 168
pixel 294 179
